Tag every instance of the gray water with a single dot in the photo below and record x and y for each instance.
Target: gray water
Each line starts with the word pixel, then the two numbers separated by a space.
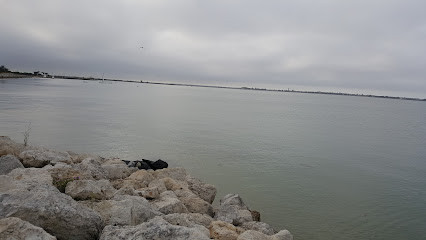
pixel 321 166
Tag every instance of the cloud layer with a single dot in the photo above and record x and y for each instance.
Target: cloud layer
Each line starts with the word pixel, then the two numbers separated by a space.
pixel 372 46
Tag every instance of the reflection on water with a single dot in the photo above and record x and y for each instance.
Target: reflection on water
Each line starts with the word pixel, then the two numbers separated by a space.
pixel 324 167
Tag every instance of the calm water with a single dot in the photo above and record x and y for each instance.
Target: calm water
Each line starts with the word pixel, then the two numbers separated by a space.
pixel 324 167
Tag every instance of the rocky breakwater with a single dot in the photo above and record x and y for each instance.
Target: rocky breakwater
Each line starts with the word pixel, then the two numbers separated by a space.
pixel 46 194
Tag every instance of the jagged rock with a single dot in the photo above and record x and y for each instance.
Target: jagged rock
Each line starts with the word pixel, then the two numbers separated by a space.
pixel 124 210
pixel 156 228
pixel 8 163
pixel 148 193
pixel 234 200
pixel 57 213
pixel 90 189
pixel 168 203
pixel 205 191
pixel 128 183
pixel 193 203
pixel 259 226
pixel 142 176
pixel 126 190
pixel 282 235
pixel 255 235
pixel 93 168
pixel 63 174
pixel 113 161
pixel 78 158
pixel 24 178
pixel 12 228
pixel 224 231
pixel 41 157
pixel 7 146
pixel 233 210
pixel 31 176
pixel 173 173
pixel 174 185
pixel 188 219
pixel 116 171
pixel 159 184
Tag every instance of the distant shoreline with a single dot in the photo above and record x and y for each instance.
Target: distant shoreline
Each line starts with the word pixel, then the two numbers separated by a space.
pixel 245 88
pixel 14 75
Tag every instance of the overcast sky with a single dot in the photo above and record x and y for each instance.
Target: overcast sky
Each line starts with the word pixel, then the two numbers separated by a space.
pixel 371 46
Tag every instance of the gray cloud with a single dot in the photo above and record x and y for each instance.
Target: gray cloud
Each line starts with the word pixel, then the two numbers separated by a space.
pixel 367 45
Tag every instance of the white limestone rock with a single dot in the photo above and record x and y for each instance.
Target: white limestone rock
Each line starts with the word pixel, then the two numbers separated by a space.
pixel 41 157
pixel 90 189
pixel 169 203
pixel 259 226
pixel 255 235
pixel 233 210
pixel 124 210
pixel 188 219
pixel 58 214
pixel 156 228
pixel 8 163
pixel 205 191
pixel 224 231
pixel 12 228
pixel 179 174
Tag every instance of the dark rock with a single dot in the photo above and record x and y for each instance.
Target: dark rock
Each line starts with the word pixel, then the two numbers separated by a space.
pixel 143 165
pixel 256 215
pixel 159 164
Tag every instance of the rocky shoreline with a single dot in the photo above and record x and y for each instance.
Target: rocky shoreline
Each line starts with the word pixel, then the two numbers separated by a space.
pixel 46 194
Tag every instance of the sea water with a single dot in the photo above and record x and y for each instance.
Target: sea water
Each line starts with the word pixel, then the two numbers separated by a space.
pixel 321 166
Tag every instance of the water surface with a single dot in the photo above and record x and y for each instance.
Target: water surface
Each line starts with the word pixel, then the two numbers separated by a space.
pixel 322 166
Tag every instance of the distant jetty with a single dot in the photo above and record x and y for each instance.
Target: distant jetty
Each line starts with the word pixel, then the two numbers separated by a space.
pixel 37 74
pixel 246 88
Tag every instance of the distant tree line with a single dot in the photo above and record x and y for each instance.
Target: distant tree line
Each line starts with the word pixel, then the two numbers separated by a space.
pixel 4 69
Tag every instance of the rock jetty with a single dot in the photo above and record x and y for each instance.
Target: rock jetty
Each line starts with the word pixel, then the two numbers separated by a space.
pixel 45 194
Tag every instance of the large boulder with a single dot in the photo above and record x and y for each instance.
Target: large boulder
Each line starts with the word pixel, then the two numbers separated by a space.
pixel 205 191
pixel 7 146
pixel 179 174
pixel 169 203
pixel 24 178
pixel 62 174
pixel 224 231
pixel 8 163
pixel 41 157
pixel 188 219
pixel 156 228
pixel 259 226
pixel 143 177
pixel 30 176
pixel 44 206
pixel 159 184
pixel 12 228
pixel 193 203
pixel 90 189
pixel 255 235
pixel 92 167
pixel 233 210
pixel 124 210
pixel 174 185
pixel 117 171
